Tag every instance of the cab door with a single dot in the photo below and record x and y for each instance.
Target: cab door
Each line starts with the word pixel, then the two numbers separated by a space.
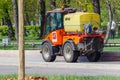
pixel 54 28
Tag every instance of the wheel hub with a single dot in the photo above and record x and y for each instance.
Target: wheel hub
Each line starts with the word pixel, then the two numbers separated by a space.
pixel 68 52
pixel 46 52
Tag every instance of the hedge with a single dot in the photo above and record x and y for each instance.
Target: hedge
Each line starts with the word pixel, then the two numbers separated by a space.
pixel 32 31
pixel 3 30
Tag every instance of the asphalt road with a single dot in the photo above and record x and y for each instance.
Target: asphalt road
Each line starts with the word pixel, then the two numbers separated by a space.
pixel 35 65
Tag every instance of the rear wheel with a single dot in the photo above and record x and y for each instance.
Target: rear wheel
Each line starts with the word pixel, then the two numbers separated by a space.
pixel 94 57
pixel 48 53
pixel 69 54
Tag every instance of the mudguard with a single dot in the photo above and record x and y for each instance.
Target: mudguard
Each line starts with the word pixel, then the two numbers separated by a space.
pixel 74 47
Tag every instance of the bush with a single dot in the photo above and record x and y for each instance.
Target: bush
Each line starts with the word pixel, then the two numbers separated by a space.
pixel 32 31
pixel 104 25
pixel 3 30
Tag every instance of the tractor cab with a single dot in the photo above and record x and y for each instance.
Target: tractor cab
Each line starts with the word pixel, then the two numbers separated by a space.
pixel 54 21
pixel 55 18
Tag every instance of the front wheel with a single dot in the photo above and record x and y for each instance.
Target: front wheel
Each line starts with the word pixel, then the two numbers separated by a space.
pixel 48 53
pixel 69 54
pixel 94 57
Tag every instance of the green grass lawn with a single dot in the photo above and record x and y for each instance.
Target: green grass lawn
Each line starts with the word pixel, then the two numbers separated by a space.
pixel 58 77
pixel 27 39
pixel 27 47
pixel 115 40
pixel 114 49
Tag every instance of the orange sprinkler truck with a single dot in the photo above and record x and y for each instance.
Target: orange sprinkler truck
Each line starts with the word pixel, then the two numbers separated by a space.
pixel 72 34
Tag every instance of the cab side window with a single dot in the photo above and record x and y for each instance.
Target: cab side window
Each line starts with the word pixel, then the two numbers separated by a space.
pixel 59 20
pixel 54 21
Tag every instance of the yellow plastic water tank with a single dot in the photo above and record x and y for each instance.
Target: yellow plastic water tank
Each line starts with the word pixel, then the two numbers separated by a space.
pixel 75 22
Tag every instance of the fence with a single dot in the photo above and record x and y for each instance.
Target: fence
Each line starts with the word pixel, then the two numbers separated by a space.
pixel 114 41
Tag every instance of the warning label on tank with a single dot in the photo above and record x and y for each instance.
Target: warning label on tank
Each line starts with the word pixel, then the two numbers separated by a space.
pixel 54 37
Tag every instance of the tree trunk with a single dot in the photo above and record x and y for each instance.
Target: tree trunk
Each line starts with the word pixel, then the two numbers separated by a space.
pixel 42 12
pixel 110 22
pixel 9 23
pixel 27 21
pixel 52 4
pixel 21 62
pixel 96 5
pixel 3 22
pixel 15 9
pixel 26 17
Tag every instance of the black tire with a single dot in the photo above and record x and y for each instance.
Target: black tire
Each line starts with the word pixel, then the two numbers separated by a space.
pixel 69 54
pixel 48 53
pixel 94 57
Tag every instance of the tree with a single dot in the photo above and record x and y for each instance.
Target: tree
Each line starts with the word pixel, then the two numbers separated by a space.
pixel 31 12
pixel 96 6
pixel 27 7
pixel 27 20
pixel 42 12
pixel 9 23
pixel 66 3
pixel 5 9
pixel 110 21
pixel 15 9
pixel 52 4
